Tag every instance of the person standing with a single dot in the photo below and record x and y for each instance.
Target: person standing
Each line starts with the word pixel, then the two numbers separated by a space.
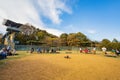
pixel 3 53
pixel 104 50
pixel 80 50
pixel 94 50
pixel 39 50
pixel 32 50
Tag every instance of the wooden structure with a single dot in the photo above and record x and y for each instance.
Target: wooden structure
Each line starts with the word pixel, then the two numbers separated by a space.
pixel 12 29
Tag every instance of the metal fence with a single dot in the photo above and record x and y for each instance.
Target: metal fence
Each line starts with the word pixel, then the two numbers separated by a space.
pixel 28 47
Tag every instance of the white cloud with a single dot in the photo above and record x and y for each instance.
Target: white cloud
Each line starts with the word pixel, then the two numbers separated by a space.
pixel 24 11
pixel 91 31
pixel 54 31
pixel 52 9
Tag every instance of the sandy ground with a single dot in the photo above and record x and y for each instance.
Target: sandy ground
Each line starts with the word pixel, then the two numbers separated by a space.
pixel 56 67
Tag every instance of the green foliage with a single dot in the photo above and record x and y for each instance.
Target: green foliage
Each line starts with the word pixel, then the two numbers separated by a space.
pixel 63 39
pixel 115 40
pixel 115 45
pixel 110 45
pixel 105 43
pixel 71 39
pixel 41 37
pixel 77 39
pixel 50 41
pixel 37 38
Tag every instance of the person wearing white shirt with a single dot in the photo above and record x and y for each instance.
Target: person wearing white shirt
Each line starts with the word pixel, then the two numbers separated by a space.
pixel 104 50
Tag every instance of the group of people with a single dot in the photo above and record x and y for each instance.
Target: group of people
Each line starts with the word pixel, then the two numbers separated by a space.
pixel 44 50
pixel 3 54
pixel 116 51
pixel 6 51
pixel 86 50
pixel 104 50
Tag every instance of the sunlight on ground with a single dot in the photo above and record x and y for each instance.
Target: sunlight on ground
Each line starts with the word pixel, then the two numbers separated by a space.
pixel 56 67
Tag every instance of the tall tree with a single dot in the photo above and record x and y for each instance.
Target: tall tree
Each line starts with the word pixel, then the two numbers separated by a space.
pixel 82 39
pixel 63 39
pixel 77 39
pixel 51 41
pixel 105 43
pixel 115 40
pixel 71 39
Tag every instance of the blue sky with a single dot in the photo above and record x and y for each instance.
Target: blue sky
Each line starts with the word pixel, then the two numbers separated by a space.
pixel 97 19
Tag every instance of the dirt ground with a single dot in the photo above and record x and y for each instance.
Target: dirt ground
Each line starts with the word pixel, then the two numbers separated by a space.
pixel 56 67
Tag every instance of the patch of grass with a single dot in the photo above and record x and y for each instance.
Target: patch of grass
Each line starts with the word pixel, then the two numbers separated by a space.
pixel 19 55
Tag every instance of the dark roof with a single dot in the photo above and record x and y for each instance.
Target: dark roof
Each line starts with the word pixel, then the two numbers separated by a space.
pixel 12 24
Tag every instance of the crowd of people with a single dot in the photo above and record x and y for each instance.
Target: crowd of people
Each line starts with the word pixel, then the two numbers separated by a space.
pixel 82 50
pixel 113 51
pixel 104 51
pixel 43 50
pixel 116 51
pixel 7 51
pixel 86 50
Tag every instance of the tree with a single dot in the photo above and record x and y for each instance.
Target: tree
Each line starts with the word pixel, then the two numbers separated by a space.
pixel 21 38
pixel 63 39
pixel 115 44
pixel 95 44
pixel 38 36
pixel 82 39
pixel 71 39
pixel 52 41
pixel 78 39
pixel 115 40
pixel 105 43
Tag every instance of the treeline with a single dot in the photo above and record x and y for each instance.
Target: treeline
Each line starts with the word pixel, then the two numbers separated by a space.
pixel 114 44
pixel 43 38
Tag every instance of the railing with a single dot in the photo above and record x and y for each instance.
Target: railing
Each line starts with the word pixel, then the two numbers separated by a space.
pixel 28 47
